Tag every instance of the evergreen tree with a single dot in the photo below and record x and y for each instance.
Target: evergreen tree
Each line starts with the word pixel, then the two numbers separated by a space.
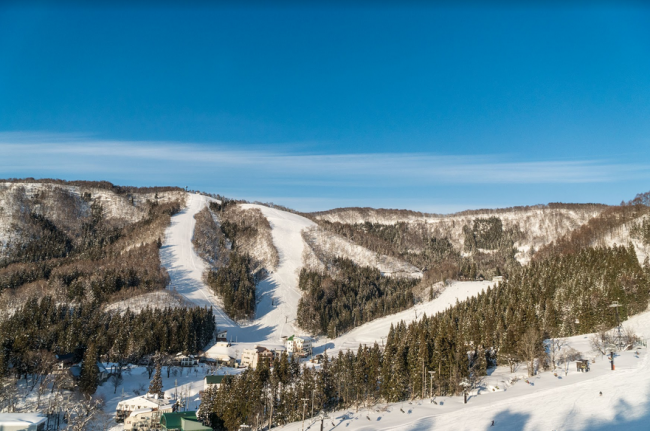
pixel 89 372
pixel 156 385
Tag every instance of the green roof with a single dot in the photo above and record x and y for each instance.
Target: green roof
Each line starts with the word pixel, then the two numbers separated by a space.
pixel 214 380
pixel 290 338
pixel 183 421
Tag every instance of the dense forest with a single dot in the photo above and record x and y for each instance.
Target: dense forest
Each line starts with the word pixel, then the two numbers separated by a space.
pixel 333 305
pixel 235 284
pixel 45 326
pixel 504 325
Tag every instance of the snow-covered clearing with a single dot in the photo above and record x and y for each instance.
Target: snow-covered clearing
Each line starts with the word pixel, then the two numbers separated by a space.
pixel 159 299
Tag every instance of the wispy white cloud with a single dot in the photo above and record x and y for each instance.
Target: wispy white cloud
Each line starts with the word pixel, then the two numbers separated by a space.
pixel 79 154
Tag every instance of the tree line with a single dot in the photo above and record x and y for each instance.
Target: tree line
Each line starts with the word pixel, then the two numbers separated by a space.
pixel 45 326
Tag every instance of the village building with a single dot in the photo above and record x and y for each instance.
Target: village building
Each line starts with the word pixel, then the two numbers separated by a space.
pixel 141 419
pixel 212 381
pixel 182 421
pixel 186 360
pixel 22 422
pixel 300 346
pixel 71 371
pixel 252 357
pixel 126 407
pixel 222 339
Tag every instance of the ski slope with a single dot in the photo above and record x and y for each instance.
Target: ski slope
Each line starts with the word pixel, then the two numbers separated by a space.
pixel 183 264
pixel 377 330
pixel 278 294
pixel 570 401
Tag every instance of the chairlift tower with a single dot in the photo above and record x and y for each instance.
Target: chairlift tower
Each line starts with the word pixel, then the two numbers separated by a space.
pixel 616 305
pixel 431 384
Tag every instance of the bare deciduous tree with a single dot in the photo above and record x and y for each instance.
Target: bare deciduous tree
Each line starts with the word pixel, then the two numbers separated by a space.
pixel 530 347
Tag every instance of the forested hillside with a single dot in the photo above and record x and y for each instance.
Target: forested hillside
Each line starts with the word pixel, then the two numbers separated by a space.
pixel 41 327
pixel 63 241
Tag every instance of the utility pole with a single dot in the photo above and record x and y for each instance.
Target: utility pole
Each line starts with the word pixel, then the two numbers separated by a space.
pixel 271 417
pixel 304 404
pixel 424 379
pixel 431 373
pixel 615 305
pixel 312 402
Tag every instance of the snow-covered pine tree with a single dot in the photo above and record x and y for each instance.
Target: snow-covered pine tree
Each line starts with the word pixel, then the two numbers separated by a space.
pixel 156 386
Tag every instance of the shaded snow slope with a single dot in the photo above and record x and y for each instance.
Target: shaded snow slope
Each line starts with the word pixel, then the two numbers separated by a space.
pixel 278 294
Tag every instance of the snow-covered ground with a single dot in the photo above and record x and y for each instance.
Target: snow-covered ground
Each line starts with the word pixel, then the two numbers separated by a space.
pixel 278 294
pixel 184 266
pixel 158 299
pixel 184 383
pixel 570 401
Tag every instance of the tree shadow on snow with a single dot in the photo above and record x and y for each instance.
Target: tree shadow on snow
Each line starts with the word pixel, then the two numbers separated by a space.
pixel 265 291
pixel 506 420
pixel 627 417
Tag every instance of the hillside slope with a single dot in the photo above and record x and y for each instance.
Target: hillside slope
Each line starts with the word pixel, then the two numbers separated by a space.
pixel 539 225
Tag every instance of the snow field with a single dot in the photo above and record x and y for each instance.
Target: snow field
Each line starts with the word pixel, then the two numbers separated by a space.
pixel 570 401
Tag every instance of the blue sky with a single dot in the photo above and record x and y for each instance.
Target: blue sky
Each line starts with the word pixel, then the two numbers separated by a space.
pixel 429 108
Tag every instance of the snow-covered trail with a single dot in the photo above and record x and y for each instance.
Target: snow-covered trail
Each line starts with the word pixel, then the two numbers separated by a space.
pixel 377 330
pixel 184 266
pixel 278 294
